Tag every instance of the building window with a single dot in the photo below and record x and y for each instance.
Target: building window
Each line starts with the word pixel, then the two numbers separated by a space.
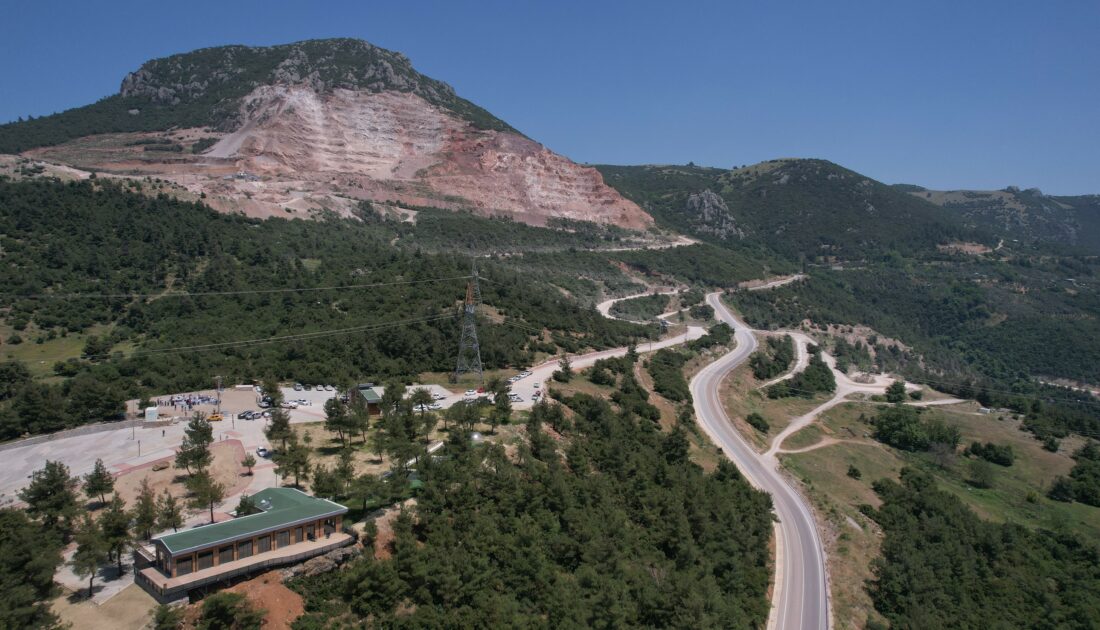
pixel 225 554
pixel 183 565
pixel 282 539
pixel 206 560
pixel 263 544
pixel 244 549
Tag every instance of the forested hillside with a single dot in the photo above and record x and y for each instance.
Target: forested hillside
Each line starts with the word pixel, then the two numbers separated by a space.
pixel 1071 223
pixel 803 209
pixel 609 525
pixel 943 567
pixel 95 274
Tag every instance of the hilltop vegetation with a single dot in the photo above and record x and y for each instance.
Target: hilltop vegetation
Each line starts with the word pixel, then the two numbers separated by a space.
pixel 204 88
pixel 612 526
pixel 1072 223
pixel 640 309
pixel 810 209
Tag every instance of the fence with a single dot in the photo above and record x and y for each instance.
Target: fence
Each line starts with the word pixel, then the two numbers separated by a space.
pixel 87 429
pixel 176 593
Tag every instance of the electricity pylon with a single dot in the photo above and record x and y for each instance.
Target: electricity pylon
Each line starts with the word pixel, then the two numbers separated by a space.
pixel 469 350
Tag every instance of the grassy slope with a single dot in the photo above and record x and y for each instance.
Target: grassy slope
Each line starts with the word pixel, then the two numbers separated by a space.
pixel 853 540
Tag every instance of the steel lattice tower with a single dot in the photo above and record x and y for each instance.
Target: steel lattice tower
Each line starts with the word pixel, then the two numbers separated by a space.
pixel 469 350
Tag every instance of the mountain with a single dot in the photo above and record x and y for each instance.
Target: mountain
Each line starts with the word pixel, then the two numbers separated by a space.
pixel 317 126
pixel 1027 216
pixel 796 206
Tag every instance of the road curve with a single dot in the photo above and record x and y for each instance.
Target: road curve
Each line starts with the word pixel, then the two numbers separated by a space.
pixel 800 598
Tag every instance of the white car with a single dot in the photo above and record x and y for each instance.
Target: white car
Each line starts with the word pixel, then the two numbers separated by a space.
pixel 435 406
pixel 515 398
pixel 437 396
pixel 289 404
pixel 329 388
pixel 421 408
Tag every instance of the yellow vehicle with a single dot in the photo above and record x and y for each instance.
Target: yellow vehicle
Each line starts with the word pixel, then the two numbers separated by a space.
pixel 215 417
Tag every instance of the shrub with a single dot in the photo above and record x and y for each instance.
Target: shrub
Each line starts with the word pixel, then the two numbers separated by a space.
pixel 758 422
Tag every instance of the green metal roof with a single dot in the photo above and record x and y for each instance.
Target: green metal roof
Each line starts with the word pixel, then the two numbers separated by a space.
pixel 281 507
pixel 370 395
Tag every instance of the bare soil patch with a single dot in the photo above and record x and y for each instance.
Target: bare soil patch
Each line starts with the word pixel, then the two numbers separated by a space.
pixel 268 592
pixel 226 469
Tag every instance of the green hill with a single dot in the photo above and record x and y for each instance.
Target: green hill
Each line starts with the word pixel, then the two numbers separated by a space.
pixel 1026 216
pixel 797 207
pixel 204 88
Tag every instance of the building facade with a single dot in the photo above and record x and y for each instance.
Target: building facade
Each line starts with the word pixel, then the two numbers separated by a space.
pixel 291 526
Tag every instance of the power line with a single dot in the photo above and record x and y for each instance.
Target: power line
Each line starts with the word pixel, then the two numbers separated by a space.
pixel 80 296
pixel 266 340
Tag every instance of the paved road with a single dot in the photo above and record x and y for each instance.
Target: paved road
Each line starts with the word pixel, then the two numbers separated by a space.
pixel 605 307
pixel 777 283
pixel 800 599
pixel 541 373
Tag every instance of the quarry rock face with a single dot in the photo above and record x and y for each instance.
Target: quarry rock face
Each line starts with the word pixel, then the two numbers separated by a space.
pixel 396 147
pixel 319 127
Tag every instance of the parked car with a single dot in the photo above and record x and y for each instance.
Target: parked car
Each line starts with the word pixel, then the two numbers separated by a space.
pixel 307 387
pixel 297 387
pixel 515 398
pixel 435 406
pixel 329 388
pixel 289 404
pixel 263 452
pixel 246 415
pixel 263 404
pixel 437 396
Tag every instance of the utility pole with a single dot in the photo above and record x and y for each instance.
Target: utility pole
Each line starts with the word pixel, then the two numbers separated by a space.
pixel 469 350
pixel 218 391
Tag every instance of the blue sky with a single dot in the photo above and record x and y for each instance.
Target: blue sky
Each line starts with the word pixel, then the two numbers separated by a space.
pixel 943 94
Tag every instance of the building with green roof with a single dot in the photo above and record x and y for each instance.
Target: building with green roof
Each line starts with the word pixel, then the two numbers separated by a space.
pixel 290 526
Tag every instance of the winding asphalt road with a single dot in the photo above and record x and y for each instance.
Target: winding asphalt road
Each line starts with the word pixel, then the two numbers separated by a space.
pixel 800 598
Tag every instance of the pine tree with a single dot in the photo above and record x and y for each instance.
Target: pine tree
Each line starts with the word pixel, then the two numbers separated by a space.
pixel 345 469
pixel 420 399
pixel 895 393
pixel 205 492
pixel 502 411
pixel 91 551
pixel 115 525
pixel 168 512
pixel 145 510
pixel 338 420
pixel 194 451
pixel 99 482
pixel 279 430
pixel 51 496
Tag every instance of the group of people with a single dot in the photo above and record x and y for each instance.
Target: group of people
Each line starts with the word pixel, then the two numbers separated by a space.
pixel 186 402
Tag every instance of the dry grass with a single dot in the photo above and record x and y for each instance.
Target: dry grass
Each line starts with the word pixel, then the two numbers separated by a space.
pixel 740 398
pixel 226 469
pixel 131 609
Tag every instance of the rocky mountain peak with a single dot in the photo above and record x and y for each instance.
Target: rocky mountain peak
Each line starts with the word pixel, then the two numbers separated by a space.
pixel 709 214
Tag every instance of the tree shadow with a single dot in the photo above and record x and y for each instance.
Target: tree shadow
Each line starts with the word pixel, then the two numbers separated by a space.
pixel 81 595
